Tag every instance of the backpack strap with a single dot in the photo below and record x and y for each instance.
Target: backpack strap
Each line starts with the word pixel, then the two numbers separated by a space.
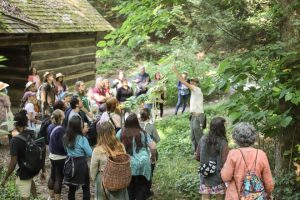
pixel 21 137
pixel 239 195
pixel 254 167
pixel 111 120
pixel 54 129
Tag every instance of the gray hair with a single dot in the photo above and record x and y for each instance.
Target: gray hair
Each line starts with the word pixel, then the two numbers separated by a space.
pixel 99 79
pixel 244 134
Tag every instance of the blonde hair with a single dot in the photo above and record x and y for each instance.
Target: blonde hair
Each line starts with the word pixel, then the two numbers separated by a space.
pixel 106 138
pixel 111 104
pixel 57 116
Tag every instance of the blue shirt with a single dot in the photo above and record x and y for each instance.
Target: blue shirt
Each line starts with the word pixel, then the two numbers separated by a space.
pixel 81 148
pixel 140 161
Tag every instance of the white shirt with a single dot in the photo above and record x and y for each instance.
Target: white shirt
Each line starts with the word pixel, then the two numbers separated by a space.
pixel 196 101
pixel 56 157
pixel 29 107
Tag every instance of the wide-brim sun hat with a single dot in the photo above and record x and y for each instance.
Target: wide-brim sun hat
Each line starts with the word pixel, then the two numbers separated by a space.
pixel 68 94
pixel 59 75
pixel 46 74
pixel 28 84
pixel 3 85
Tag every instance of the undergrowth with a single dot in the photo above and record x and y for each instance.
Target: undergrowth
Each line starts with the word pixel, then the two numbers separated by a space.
pixel 176 171
pixel 9 191
pixel 176 175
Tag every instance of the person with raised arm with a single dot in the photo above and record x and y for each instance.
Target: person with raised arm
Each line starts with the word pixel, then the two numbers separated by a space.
pixel 197 118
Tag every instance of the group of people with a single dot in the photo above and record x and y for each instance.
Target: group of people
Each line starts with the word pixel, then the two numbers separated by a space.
pixel 88 124
pixel 81 125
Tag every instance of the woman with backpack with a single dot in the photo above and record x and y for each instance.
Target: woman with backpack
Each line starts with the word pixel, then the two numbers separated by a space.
pixel 247 165
pixel 138 145
pixel 57 154
pixel 76 170
pixel 111 114
pixel 107 145
pixel 212 153
pixel 150 130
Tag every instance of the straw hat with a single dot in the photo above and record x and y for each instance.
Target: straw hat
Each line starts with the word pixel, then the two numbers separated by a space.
pixel 67 94
pixel 28 84
pixel 185 72
pixel 3 85
pixel 47 74
pixel 59 75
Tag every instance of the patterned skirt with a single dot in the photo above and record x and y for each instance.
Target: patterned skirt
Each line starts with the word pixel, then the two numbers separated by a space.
pixel 219 189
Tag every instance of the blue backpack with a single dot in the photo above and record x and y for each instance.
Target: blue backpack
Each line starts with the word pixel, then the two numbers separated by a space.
pixel 252 186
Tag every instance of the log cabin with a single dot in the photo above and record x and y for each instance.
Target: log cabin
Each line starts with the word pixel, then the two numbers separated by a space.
pixel 50 35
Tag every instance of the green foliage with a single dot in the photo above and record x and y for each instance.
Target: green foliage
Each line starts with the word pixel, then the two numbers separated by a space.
pixel 143 17
pixel 286 187
pixel 173 175
pixel 266 89
pixel 2 58
pixel 10 191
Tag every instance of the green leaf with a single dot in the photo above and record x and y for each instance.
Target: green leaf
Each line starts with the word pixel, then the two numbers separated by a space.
pixel 101 44
pixel 235 115
pixel 288 96
pixel 286 121
pixel 223 66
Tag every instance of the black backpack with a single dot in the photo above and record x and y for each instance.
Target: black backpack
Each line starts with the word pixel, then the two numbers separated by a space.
pixel 92 133
pixel 44 127
pixel 34 154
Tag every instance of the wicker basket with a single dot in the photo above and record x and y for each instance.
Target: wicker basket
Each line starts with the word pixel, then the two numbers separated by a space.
pixel 117 172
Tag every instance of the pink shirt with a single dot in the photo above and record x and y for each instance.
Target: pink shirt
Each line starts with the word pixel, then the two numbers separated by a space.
pixel 235 167
pixel 36 80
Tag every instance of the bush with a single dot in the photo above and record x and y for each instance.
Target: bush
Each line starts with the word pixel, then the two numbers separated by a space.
pixel 9 191
pixel 287 188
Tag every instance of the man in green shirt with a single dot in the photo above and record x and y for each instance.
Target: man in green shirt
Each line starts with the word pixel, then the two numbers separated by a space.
pixel 80 91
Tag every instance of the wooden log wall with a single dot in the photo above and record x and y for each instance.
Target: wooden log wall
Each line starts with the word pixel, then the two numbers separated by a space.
pixel 16 50
pixel 72 54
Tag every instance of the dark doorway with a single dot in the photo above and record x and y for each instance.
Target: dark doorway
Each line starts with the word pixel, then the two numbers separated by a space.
pixel 16 71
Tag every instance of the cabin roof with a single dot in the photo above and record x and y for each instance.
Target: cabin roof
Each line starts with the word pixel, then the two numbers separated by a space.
pixel 50 16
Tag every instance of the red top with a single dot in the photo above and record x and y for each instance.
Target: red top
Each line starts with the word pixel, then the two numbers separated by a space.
pixel 98 91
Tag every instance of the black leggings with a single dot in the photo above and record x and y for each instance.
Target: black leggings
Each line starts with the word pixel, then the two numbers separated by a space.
pixel 85 189
pixel 56 176
pixel 161 108
pixel 139 188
